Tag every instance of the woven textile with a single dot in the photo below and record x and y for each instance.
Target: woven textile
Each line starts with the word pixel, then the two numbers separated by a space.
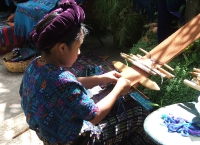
pixel 7 36
pixel 147 104
pixel 123 125
pixel 29 13
pixel 90 60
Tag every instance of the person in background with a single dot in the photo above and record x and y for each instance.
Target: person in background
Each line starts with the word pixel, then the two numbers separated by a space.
pixel 54 101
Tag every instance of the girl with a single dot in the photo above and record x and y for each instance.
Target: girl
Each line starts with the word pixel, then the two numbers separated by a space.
pixel 54 101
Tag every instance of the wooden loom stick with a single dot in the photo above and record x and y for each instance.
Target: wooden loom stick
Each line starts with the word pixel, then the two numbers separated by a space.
pixel 195 73
pixel 168 75
pixel 138 55
pixel 196 80
pixel 192 84
pixel 196 69
pixel 135 75
pixel 152 68
pixel 139 65
pixel 130 59
pixel 148 83
pixel 164 64
pixel 172 46
pixel 144 51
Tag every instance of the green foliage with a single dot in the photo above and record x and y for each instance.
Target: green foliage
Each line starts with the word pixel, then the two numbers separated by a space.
pixel 147 42
pixel 127 33
pixel 192 53
pixel 116 17
pixel 171 90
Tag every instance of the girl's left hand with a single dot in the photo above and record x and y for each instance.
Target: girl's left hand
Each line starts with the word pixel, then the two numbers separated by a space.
pixel 110 77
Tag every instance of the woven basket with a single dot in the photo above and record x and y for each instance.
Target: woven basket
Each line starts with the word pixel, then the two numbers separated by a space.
pixel 16 66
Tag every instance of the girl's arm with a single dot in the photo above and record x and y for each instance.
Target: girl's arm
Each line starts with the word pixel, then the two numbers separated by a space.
pixel 92 81
pixel 121 88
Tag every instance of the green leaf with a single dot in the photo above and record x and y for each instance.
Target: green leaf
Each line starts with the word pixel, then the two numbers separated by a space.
pixel 181 9
pixel 194 56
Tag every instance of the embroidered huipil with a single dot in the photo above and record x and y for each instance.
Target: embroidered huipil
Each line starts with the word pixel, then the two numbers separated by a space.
pixel 54 102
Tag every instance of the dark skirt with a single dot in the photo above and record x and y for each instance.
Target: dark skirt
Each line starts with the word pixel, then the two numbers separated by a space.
pixel 122 126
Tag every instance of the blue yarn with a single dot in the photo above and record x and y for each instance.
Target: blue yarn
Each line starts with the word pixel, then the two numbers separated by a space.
pixel 180 125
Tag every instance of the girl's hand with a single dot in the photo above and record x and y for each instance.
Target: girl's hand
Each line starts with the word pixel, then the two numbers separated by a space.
pixel 110 77
pixel 123 85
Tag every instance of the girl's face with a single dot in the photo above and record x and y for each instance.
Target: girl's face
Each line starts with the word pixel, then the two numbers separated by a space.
pixel 71 54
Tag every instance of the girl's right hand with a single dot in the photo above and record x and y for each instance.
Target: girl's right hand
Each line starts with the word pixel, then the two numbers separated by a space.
pixel 124 85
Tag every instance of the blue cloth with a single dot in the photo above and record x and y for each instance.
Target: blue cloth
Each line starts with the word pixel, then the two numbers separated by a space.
pixel 29 13
pixel 54 102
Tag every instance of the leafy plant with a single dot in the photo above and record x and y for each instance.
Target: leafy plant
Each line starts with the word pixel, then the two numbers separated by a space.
pixel 147 42
pixel 116 17
pixel 192 52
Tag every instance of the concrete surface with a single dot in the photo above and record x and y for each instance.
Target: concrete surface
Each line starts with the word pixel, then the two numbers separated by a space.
pixel 10 108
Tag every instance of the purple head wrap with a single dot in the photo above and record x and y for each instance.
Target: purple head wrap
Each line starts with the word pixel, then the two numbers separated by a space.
pixel 69 18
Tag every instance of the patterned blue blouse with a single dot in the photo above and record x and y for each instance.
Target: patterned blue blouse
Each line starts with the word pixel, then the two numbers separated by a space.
pixel 54 102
